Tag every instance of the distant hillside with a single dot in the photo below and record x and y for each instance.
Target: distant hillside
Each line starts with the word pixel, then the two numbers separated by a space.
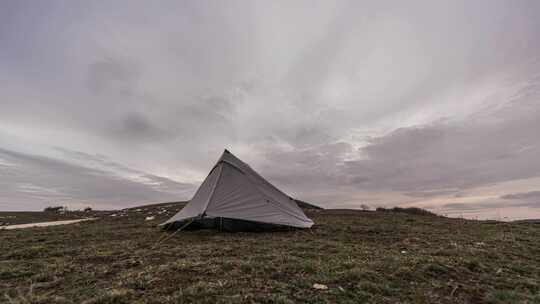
pixel 166 205
pixel 305 205
pixel 301 204
pixel 529 221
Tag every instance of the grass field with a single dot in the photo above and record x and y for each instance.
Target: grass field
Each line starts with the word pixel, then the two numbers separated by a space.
pixel 362 257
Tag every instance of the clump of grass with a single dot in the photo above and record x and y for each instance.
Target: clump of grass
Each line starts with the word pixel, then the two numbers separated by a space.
pixel 113 296
pixel 56 209
pixel 503 297
pixel 29 296
pixel 435 270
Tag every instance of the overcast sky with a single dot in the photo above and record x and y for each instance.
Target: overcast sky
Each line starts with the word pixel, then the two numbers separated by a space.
pixel 427 103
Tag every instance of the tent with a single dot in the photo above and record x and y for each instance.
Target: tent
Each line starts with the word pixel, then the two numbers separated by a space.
pixel 234 197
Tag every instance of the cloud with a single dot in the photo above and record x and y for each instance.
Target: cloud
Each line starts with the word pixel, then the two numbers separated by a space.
pixel 102 163
pixel 430 193
pixel 489 204
pixel 523 195
pixel 35 181
pixel 486 148
pixel 495 144
pixel 136 127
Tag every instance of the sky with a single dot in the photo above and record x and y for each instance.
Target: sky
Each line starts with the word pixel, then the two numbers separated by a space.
pixel 434 104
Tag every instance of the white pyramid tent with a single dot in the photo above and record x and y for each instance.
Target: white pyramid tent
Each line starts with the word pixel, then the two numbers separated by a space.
pixel 234 192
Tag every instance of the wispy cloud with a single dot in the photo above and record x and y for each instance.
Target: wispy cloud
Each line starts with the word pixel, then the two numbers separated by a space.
pixel 36 181
pixel 524 195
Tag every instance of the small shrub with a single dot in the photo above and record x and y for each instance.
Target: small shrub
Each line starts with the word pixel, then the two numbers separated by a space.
pixel 365 207
pixel 55 209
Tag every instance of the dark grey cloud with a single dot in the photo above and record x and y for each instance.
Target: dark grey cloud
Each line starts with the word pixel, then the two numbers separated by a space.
pixel 523 195
pixel 136 127
pixel 428 193
pixel 490 204
pixel 529 199
pixel 307 169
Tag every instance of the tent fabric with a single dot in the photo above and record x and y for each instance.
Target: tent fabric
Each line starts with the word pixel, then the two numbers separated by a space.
pixel 234 191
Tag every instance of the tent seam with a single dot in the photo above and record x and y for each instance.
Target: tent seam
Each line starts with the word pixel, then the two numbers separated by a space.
pixel 213 190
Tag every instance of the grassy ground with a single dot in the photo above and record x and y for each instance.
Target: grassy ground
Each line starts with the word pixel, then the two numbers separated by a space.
pixel 371 257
